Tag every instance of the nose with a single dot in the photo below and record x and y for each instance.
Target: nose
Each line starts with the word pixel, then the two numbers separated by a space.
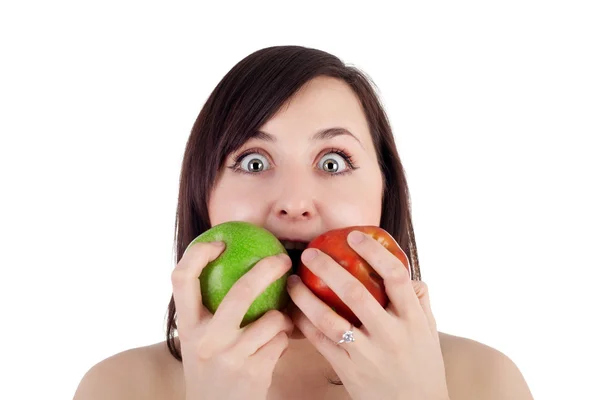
pixel 297 210
pixel 296 201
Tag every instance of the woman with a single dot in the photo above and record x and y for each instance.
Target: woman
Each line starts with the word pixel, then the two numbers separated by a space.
pixel 297 142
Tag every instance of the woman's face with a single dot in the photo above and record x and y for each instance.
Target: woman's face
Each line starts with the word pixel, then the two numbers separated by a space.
pixel 298 181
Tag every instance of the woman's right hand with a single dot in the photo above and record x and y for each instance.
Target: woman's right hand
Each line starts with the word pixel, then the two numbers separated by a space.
pixel 220 359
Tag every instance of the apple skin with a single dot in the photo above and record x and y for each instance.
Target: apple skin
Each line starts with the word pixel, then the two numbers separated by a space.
pixel 246 244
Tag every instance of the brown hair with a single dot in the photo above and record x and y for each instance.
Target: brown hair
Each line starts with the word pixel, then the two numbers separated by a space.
pixel 245 99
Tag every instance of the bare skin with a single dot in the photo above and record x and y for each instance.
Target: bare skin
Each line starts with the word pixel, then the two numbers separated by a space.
pixel 151 372
pixel 288 187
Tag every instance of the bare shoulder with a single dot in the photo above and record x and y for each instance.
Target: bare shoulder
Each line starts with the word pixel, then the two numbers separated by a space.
pixel 477 371
pixel 148 372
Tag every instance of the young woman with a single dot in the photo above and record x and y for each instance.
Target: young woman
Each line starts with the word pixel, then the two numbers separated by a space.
pixel 297 142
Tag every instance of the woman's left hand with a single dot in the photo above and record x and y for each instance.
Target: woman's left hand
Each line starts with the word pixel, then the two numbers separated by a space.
pixel 396 353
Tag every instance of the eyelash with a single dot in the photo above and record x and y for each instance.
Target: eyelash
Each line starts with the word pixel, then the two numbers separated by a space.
pixel 342 153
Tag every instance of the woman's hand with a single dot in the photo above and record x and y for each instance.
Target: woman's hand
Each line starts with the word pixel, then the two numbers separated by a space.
pixel 396 353
pixel 220 360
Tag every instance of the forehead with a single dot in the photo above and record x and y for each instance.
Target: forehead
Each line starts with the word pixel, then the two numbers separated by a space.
pixel 323 102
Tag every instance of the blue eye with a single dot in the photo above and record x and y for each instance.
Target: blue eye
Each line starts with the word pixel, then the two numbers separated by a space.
pixel 335 162
pixel 253 163
pixel 332 162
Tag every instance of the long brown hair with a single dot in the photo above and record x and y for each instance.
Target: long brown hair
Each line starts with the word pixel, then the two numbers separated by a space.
pixel 245 99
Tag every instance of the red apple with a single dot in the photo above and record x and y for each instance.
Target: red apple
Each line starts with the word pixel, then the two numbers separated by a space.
pixel 334 243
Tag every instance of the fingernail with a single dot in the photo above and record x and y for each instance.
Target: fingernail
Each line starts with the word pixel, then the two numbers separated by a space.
pixel 219 245
pixel 309 254
pixel 284 257
pixel 293 280
pixel 356 237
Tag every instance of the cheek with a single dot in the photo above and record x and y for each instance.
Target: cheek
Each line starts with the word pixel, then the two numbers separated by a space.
pixel 353 203
pixel 354 210
pixel 234 202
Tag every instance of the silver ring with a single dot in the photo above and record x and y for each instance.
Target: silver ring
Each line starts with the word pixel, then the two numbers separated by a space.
pixel 347 337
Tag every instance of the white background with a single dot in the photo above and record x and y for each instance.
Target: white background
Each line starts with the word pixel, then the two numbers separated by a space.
pixel 495 107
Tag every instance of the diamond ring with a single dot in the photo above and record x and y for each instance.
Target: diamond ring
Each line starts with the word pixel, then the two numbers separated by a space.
pixel 347 337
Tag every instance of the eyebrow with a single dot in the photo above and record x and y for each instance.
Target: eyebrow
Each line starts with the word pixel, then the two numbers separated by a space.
pixel 323 134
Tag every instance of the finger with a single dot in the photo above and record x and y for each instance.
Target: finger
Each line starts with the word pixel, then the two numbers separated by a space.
pixel 395 273
pixel 324 344
pixel 422 291
pixel 186 286
pixel 268 355
pixel 239 298
pixel 261 331
pixel 328 325
pixel 348 288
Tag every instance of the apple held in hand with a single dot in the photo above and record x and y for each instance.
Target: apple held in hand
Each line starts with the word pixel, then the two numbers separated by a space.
pixel 334 243
pixel 246 244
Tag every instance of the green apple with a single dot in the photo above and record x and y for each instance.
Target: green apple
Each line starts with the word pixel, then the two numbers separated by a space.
pixel 246 244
